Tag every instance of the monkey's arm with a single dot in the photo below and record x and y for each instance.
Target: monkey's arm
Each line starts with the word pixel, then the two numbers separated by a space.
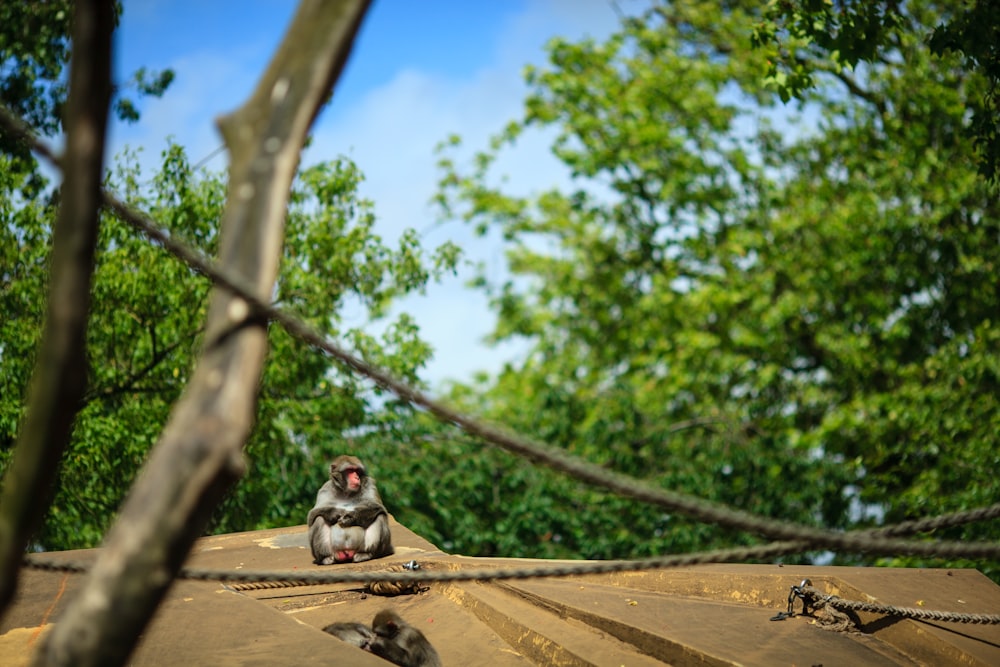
pixel 330 513
pixel 362 515
pixel 358 634
pixel 325 506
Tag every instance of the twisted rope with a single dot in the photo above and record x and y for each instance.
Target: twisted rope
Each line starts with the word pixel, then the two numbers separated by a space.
pixel 243 580
pixel 820 599
pixel 286 578
pixel 939 522
pixel 259 585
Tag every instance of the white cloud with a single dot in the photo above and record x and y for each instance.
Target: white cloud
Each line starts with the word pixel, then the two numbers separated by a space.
pixel 391 133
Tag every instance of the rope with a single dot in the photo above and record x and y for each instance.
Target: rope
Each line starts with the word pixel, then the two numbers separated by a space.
pixel 286 578
pixel 259 585
pixel 820 599
pixel 939 522
pixel 733 555
pixel 403 577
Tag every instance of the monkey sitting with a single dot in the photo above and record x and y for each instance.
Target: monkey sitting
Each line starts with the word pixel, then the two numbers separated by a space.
pixel 348 524
pixel 390 637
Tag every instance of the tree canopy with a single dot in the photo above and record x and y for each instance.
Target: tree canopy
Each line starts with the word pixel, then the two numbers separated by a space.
pixel 802 37
pixel 787 308
pixel 145 330
pixel 148 310
pixel 792 310
pixel 34 51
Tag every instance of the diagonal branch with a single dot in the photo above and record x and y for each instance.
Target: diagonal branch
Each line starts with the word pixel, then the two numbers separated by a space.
pixel 59 378
pixel 131 382
pixel 853 87
pixel 200 453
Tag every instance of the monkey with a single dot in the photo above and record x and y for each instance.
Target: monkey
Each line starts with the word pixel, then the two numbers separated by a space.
pixel 400 643
pixel 391 638
pixel 357 634
pixel 349 523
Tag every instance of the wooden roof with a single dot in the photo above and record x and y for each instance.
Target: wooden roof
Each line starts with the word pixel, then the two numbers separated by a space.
pixel 704 615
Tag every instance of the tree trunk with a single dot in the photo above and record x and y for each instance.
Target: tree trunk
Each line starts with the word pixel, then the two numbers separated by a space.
pixel 60 376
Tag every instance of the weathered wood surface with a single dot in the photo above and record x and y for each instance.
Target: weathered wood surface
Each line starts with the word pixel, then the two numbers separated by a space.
pixel 703 615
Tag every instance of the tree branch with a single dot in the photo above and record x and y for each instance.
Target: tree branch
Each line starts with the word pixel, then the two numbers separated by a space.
pixel 855 89
pixel 60 374
pixel 199 454
pixel 852 86
pixel 130 383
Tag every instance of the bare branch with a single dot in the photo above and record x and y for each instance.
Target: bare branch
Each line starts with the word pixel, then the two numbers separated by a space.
pixel 853 87
pixel 59 378
pixel 131 382
pixel 200 454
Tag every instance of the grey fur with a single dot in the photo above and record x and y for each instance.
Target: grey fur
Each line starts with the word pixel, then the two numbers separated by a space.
pixel 358 634
pixel 348 525
pixel 400 643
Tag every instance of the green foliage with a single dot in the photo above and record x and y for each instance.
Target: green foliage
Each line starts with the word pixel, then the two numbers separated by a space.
pixel 803 37
pixel 25 230
pixel 34 52
pixel 145 84
pixel 34 47
pixel 144 335
pixel 795 319
pixel 793 316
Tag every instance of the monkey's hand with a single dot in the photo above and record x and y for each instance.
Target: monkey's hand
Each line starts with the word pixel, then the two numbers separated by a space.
pixel 363 515
pixel 331 515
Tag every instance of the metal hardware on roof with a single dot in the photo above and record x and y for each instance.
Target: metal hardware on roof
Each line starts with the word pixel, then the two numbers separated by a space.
pixel 817 601
pixel 795 592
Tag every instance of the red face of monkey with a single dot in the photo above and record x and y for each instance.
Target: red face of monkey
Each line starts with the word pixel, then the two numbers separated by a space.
pixel 348 474
pixel 352 476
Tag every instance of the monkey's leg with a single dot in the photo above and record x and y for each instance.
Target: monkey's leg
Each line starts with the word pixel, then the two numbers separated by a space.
pixel 346 542
pixel 321 543
pixel 377 540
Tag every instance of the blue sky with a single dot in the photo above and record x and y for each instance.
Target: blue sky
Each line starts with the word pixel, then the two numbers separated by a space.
pixel 420 71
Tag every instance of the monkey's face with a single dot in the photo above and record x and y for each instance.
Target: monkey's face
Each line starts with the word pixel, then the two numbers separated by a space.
pixel 386 623
pixel 352 478
pixel 348 475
